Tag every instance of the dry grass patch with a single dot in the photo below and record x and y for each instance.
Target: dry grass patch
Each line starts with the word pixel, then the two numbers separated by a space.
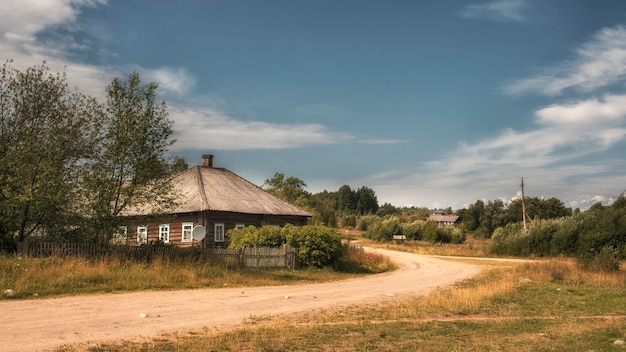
pixel 471 248
pixel 546 305
pixel 54 276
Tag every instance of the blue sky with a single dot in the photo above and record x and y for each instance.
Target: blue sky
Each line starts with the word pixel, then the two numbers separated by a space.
pixel 429 103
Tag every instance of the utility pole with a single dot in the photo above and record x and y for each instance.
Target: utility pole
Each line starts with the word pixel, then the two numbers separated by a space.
pixel 523 206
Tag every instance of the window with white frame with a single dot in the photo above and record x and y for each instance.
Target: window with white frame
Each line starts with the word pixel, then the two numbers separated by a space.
pixel 142 234
pixel 187 231
pixel 164 233
pixel 240 226
pixel 219 232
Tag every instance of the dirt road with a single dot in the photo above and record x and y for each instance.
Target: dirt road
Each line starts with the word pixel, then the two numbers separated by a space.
pixel 43 324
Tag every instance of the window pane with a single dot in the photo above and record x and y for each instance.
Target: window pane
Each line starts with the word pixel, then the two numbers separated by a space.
pixel 164 233
pixel 142 234
pixel 219 232
pixel 187 230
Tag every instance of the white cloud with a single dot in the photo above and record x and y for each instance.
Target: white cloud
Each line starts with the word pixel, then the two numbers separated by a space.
pixel 30 17
pixel 205 128
pixel 19 43
pixel 198 127
pixel 173 80
pixel 598 63
pixel 498 10
pixel 609 110
pixel 553 156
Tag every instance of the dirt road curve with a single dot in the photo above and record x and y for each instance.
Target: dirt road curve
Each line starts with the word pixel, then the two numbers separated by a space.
pixel 42 324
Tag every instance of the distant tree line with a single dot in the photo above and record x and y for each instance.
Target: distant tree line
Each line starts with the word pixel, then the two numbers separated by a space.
pixel 596 236
pixel 326 206
pixel 483 219
pixel 69 164
pixel 552 228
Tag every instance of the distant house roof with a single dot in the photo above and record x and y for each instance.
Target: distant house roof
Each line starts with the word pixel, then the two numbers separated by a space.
pixel 203 188
pixel 444 219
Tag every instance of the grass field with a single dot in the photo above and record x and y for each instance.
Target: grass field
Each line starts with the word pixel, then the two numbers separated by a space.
pixel 546 305
pixel 54 276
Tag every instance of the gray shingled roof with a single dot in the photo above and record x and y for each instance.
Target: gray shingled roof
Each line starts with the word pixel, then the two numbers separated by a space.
pixel 207 188
pixel 443 218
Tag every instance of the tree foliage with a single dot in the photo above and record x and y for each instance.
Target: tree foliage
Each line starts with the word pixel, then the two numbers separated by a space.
pixel 128 167
pixel 290 189
pixel 326 206
pixel 71 165
pixel 178 164
pixel 483 219
pixel 45 134
pixel 383 229
pixel 591 236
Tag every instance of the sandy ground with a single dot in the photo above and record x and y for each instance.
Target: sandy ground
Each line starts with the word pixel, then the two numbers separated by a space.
pixel 44 324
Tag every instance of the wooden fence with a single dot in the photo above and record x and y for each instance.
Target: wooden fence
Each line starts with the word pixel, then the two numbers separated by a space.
pixel 263 257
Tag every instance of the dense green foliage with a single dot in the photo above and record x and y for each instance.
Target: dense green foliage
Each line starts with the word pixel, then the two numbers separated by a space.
pixel 326 206
pixel 483 219
pixel 66 157
pixel 128 166
pixel 591 236
pixel 316 246
pixel 383 229
pixel 44 137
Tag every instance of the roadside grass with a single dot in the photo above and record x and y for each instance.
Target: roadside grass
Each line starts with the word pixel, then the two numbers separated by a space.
pixel 55 276
pixel 547 305
pixel 471 248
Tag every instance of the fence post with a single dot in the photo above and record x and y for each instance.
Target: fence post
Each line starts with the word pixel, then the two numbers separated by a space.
pixel 22 248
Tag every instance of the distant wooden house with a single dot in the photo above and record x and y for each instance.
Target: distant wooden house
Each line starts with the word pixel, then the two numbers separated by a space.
pixel 212 200
pixel 444 220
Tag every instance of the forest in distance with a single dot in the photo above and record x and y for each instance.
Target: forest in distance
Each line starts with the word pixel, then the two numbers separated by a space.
pixel 596 236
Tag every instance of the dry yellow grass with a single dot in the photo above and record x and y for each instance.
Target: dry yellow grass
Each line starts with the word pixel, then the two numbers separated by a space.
pixel 541 305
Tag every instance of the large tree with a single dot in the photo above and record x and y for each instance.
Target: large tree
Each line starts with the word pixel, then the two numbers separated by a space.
pixel 346 199
pixel 129 169
pixel 45 132
pixel 537 208
pixel 290 189
pixel 367 203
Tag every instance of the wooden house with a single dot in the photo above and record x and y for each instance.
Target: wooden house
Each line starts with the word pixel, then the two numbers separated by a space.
pixel 212 200
pixel 444 220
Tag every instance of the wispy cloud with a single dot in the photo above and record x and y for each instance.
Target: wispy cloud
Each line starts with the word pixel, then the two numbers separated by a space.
pixel 19 40
pixel 197 126
pixel 175 81
pixel 561 153
pixel 599 62
pixel 498 10
pixel 201 128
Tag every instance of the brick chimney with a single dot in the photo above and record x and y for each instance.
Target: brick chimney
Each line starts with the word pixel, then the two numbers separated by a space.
pixel 207 161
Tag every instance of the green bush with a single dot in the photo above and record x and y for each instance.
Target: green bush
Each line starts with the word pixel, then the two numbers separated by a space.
pixel 508 240
pixel 266 236
pixel 366 221
pixel 413 230
pixel 605 260
pixel 315 245
pixel 349 221
pixel 383 230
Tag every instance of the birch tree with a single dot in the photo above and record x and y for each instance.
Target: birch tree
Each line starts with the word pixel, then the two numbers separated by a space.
pixel 128 168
